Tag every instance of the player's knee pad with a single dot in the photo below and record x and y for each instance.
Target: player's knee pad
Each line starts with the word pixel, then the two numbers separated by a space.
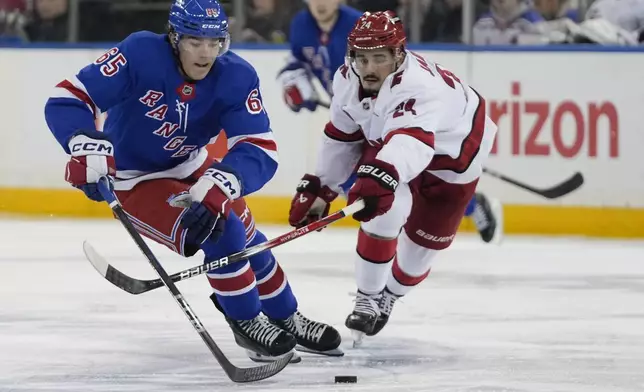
pixel 411 266
pixel 374 256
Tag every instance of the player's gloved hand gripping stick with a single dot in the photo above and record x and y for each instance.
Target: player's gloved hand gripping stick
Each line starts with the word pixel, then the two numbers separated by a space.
pixel 137 286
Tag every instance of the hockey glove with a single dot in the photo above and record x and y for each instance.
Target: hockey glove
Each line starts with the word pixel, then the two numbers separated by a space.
pixel 377 181
pixel 298 90
pixel 208 202
pixel 92 157
pixel 311 202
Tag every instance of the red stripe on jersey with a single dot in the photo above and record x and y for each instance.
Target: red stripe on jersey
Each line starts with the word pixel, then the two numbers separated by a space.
pixel 78 93
pixel 375 250
pixel 235 283
pixel 469 148
pixel 273 283
pixel 263 143
pixel 334 133
pixel 404 279
pixel 417 133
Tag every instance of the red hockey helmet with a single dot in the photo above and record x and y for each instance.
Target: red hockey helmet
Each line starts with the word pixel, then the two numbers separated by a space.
pixel 377 30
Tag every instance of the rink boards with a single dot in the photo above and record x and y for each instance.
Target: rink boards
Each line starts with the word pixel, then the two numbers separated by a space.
pixel 559 112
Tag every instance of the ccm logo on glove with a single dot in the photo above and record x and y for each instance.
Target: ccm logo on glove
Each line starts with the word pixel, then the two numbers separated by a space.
pixel 384 178
pixel 227 182
pixel 92 147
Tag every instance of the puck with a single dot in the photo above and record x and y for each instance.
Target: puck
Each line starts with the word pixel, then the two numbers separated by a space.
pixel 346 379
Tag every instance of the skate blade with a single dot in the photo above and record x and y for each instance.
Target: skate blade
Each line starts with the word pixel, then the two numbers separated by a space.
pixel 261 358
pixel 357 337
pixel 329 353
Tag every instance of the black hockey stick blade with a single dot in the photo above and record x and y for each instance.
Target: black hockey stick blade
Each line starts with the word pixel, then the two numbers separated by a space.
pixel 557 191
pixel 114 276
pixel 257 373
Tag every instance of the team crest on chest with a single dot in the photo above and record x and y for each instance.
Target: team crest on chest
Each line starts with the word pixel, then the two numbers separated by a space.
pixel 186 91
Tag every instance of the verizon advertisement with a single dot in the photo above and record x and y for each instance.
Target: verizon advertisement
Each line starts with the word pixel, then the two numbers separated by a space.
pixel 560 115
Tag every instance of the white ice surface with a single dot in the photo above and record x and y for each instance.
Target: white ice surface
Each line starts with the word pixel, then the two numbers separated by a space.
pixel 531 315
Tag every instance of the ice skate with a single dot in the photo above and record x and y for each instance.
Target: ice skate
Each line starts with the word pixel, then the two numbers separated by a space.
pixel 488 218
pixel 386 305
pixel 261 339
pixel 364 316
pixel 312 336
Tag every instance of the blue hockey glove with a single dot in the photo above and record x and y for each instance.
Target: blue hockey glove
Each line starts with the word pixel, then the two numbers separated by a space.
pixel 208 203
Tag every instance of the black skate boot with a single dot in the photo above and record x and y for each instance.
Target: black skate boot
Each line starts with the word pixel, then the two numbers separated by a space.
pixel 262 340
pixel 364 316
pixel 386 305
pixel 487 218
pixel 312 336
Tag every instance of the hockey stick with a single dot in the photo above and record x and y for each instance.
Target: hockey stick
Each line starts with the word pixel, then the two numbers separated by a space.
pixel 554 192
pixel 324 104
pixel 234 373
pixel 137 286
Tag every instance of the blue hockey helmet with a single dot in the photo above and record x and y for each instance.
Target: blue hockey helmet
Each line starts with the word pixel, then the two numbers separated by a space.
pixel 199 18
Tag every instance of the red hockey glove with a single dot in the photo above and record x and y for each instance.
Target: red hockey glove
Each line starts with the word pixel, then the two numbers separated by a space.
pixel 92 158
pixel 377 181
pixel 298 90
pixel 293 98
pixel 311 202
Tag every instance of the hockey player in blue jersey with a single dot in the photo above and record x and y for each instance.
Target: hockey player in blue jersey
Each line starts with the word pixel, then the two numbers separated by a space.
pixel 318 41
pixel 318 48
pixel 166 96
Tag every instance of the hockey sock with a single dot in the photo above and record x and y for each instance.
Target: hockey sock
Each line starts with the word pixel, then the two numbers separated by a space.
pixel 412 266
pixel 275 294
pixel 234 285
pixel 373 262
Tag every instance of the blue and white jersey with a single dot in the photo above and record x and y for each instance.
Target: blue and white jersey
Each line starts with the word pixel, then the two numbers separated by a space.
pixel 491 29
pixel 158 122
pixel 319 52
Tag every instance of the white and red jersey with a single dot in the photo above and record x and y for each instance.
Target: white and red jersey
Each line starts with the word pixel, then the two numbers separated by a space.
pixel 423 119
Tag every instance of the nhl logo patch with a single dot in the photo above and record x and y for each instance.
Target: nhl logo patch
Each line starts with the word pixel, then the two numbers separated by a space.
pixel 366 106
pixel 186 91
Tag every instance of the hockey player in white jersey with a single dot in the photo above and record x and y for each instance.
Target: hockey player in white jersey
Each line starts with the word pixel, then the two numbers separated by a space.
pixel 418 138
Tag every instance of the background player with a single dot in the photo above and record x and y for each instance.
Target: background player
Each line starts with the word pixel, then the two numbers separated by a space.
pixel 318 48
pixel 318 41
pixel 166 97
pixel 420 139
